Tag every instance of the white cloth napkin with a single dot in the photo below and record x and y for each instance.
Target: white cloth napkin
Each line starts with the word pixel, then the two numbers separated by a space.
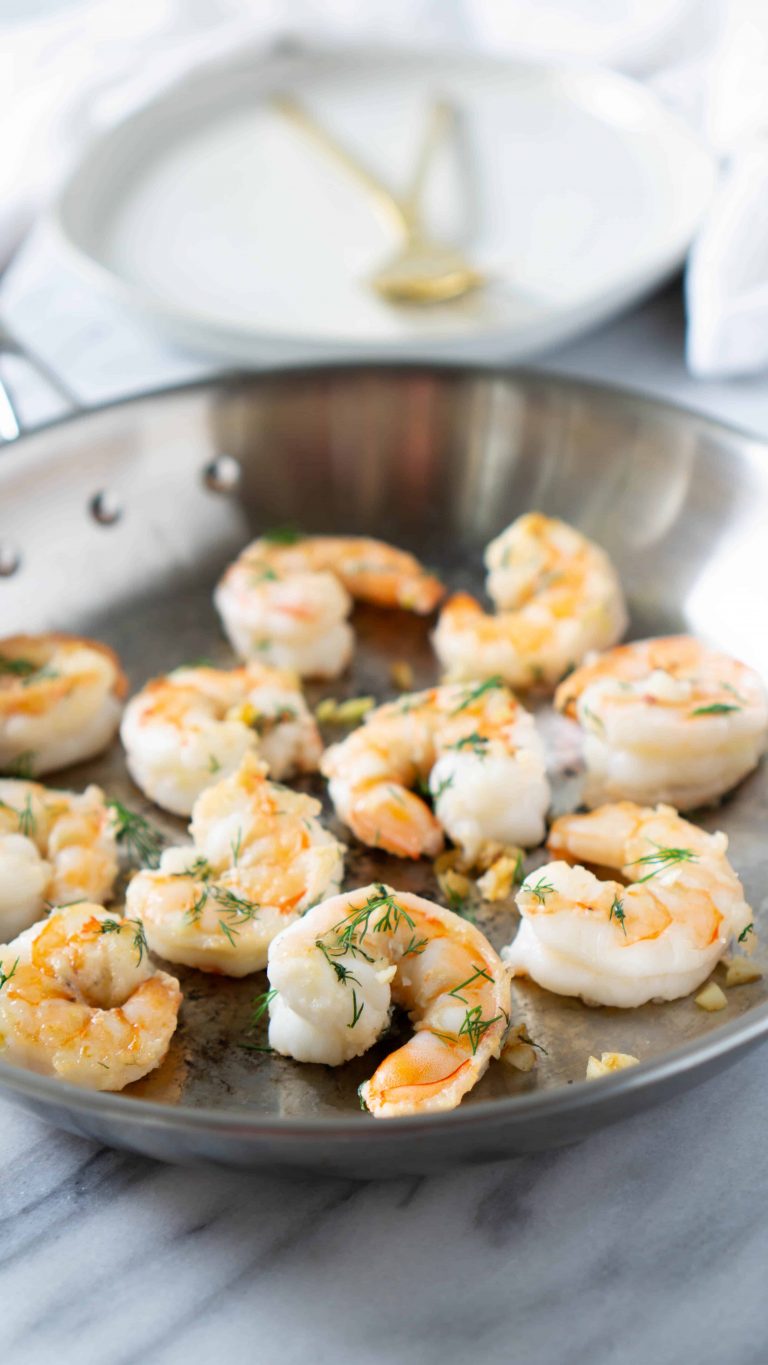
pixel 77 67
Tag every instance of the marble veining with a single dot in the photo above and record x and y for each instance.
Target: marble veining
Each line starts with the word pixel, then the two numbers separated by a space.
pixel 646 1243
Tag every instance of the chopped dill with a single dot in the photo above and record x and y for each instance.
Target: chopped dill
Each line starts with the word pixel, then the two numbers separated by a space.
pixel 490 685
pixel 5 977
pixel 594 719
pixel 17 668
pixel 525 1037
pixel 228 930
pixel 474 1026
pixel 475 742
pixel 663 858
pixel 442 787
pixel 718 708
pixel 27 822
pixel 750 929
pixel 142 839
pixel 357 1009
pixel 22 765
pixel 617 912
pixel 282 535
pixel 115 926
pixel 479 974
pixel 541 890
pixel 261 1006
pixel 414 946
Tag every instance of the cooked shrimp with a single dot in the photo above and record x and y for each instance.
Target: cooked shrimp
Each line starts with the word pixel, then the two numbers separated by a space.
pixel 260 857
pixel 79 999
pixel 656 938
pixel 666 720
pixel 60 701
pixel 557 596
pixel 55 847
pixel 288 603
pixel 476 747
pixel 186 731
pixel 335 974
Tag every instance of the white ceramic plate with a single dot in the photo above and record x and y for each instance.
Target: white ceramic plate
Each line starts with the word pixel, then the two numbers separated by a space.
pixel 574 188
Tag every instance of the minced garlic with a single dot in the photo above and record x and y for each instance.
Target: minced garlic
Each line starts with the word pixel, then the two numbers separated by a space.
pixel 401 674
pixel 350 712
pixel 609 1061
pixel 497 882
pixel 519 1050
pixel 712 998
pixel 740 971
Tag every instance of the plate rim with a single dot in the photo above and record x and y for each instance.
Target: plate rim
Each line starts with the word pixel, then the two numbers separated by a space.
pixel 513 1110
pixel 197 327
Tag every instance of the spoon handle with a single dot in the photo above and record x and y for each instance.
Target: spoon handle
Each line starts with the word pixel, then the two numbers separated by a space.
pixel 387 202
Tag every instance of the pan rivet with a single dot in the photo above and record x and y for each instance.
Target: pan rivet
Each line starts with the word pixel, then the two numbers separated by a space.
pixel 105 508
pixel 222 475
pixel 10 561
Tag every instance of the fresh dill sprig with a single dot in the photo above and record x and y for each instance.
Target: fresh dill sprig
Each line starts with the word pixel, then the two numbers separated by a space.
pixel 236 847
pixel 22 765
pixel 541 890
pixel 234 904
pixel 381 913
pixel 282 535
pixel 595 720
pixel 415 946
pixel 261 1006
pixel 5 977
pixel 442 787
pixel 17 668
pixel 750 929
pixel 663 858
pixel 474 1026
pixel 717 708
pixel 142 839
pixel 617 912
pixel 728 687
pixel 357 1009
pixel 27 821
pixel 116 926
pixel 475 741
pixel 490 685
pixel 479 974
pixel 525 1037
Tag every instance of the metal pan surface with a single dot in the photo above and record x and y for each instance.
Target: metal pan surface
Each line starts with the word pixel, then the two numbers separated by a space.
pixel 116 524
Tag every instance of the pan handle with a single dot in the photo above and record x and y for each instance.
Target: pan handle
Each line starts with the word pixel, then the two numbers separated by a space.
pixel 11 423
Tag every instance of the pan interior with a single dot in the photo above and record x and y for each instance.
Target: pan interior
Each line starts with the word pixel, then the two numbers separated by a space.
pixel 437 461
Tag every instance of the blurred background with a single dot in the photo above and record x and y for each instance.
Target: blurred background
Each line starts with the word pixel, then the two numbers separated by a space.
pixel 173 198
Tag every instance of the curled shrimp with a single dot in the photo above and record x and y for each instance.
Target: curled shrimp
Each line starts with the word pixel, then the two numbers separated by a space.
pixel 666 720
pixel 288 603
pixel 187 730
pixel 55 847
pixel 336 973
pixel 60 701
pixel 260 857
pixel 656 937
pixel 557 597
pixel 80 1000
pixel 479 752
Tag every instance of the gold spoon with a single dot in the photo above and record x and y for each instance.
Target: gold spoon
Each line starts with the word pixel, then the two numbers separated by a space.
pixel 423 270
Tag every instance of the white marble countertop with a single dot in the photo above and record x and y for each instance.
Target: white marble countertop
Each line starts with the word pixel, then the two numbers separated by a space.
pixel 646 1243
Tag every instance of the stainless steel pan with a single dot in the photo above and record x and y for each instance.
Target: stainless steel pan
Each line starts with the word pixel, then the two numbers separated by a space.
pixel 117 523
